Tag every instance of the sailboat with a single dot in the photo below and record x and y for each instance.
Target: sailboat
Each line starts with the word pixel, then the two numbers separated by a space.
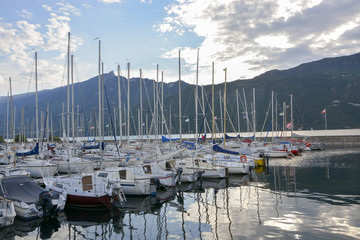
pixel 85 189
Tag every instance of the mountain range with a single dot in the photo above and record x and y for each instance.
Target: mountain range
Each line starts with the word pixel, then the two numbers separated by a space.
pixel 330 83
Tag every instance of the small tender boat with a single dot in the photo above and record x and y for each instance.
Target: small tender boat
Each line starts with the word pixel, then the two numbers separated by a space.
pixel 30 200
pixel 206 169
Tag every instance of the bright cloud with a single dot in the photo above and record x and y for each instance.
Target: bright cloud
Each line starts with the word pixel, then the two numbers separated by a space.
pixel 255 36
pixel 19 41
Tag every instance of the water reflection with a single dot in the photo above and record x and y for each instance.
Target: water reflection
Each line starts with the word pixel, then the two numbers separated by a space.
pixel 290 198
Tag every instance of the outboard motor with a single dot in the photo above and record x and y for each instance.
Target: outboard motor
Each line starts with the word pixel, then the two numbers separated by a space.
pixel 45 201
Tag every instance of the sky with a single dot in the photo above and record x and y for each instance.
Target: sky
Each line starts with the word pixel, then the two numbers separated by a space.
pixel 247 37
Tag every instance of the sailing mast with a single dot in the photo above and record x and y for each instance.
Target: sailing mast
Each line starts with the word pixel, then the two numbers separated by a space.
pixel 119 94
pixel 212 103
pixel 99 84
pixel 291 116
pixel 36 101
pixel 141 109
pixel 180 130
pixel 272 115
pixel 12 122
pixel 225 69
pixel 196 97
pixel 162 103
pixel 237 109
pixel 128 107
pixel 72 100
pixel 254 114
pixel 68 98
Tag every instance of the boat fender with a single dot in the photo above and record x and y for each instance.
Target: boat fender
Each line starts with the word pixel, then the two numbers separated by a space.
pixel 243 158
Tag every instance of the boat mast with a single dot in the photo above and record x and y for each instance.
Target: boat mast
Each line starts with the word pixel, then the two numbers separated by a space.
pixel 272 115
pixel 141 108
pixel 212 103
pixel 72 100
pixel 162 103
pixel 68 90
pixel 128 106
pixel 254 112
pixel 225 69
pixel 196 97
pixel 36 101
pixel 119 94
pixel 156 111
pixel 292 119
pixel 12 122
pixel 7 117
pixel 180 130
pixel 237 109
pixel 99 100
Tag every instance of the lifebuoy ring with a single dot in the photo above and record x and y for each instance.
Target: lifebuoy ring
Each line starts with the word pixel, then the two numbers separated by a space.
pixel 243 158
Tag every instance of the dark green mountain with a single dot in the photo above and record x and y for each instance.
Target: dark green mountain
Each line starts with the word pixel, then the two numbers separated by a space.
pixel 331 83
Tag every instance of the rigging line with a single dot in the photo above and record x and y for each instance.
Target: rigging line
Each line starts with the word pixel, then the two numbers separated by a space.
pixel 32 69
pixel 266 116
pixel 111 121
pixel 80 90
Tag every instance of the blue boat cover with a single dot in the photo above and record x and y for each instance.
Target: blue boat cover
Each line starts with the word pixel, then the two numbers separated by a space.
pixel 34 151
pixel 165 139
pixel 217 148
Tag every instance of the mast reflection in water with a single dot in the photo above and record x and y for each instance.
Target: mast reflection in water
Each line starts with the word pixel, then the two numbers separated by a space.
pixel 316 195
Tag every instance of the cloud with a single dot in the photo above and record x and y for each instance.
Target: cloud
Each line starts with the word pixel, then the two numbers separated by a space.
pixel 19 41
pixel 251 37
pixel 87 6
pixel 25 14
pixel 110 1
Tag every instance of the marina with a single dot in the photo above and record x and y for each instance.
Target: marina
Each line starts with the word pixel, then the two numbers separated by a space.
pixel 315 195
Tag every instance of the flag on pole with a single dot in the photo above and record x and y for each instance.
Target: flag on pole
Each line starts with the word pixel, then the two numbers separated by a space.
pixel 288 126
pixel 281 114
pixel 92 127
pixel 124 124
pixel 323 111
pixel 215 117
pixel 187 120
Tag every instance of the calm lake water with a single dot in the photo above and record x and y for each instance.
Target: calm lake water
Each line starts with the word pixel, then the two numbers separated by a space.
pixel 314 196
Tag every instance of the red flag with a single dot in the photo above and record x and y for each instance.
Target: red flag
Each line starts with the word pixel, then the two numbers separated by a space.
pixel 323 111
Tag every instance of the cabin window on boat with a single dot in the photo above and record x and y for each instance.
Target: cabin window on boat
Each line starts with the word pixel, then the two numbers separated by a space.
pixel 182 163
pixel 87 183
pixel 122 174
pixel 59 185
pixel 103 175
pixel 147 169
pixel 168 166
